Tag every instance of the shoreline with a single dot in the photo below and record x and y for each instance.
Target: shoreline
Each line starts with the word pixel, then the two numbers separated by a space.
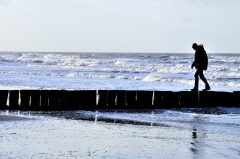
pixel 181 134
pixel 10 117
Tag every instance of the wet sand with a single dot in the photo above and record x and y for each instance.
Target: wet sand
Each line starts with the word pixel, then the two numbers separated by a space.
pixel 54 137
pixel 13 118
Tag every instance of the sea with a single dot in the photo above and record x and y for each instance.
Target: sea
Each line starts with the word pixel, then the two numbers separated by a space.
pixel 114 71
pixel 158 133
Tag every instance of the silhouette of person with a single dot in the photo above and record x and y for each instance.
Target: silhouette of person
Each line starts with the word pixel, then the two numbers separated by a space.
pixel 201 64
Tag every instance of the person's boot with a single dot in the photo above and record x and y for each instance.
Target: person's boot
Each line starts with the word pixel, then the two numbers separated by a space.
pixel 194 89
pixel 207 88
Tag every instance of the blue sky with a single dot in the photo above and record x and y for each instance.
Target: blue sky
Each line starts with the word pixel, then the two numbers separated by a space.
pixel 119 25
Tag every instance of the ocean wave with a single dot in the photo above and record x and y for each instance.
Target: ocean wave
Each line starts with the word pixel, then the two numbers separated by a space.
pixel 150 68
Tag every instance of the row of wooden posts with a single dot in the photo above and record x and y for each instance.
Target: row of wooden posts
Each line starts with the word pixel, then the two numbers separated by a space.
pixel 113 99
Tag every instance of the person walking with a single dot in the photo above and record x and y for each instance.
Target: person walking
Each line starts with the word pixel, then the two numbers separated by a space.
pixel 201 64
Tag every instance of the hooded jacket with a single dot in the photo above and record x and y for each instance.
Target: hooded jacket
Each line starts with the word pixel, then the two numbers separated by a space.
pixel 201 58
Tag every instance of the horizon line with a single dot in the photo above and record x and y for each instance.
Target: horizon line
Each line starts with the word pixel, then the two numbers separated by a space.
pixel 114 52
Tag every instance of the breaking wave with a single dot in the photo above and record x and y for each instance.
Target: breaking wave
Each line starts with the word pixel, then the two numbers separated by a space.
pixel 28 68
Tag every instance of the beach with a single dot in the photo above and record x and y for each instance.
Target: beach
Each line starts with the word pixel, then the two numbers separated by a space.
pixel 153 133
pixel 126 79
pixel 180 135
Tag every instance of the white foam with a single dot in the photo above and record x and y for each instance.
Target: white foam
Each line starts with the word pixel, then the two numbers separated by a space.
pixel 28 69
pixel 152 77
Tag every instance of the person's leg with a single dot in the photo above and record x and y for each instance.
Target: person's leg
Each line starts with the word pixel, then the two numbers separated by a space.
pixel 196 80
pixel 207 87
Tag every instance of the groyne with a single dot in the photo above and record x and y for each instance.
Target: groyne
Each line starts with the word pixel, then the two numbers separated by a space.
pixel 45 100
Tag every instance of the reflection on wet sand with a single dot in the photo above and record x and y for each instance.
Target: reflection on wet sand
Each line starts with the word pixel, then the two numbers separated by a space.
pixel 91 134
pixel 198 137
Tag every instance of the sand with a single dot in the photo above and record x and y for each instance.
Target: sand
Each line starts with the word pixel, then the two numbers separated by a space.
pixel 4 118
pixel 53 137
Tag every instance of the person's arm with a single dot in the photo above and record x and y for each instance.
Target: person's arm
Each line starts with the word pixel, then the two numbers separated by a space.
pixel 195 63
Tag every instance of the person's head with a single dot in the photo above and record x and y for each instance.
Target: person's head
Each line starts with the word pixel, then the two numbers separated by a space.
pixel 194 46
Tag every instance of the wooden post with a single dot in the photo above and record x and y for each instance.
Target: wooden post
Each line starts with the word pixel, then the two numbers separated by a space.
pixel 86 99
pixel 54 102
pixel 25 99
pixel 121 99
pixel 13 99
pixel 3 99
pixel 236 99
pixel 35 100
pixel 112 99
pixel 188 99
pixel 212 98
pixel 158 100
pixel 44 95
pixel 64 99
pixel 170 99
pixel 131 99
pixel 145 99
pixel 103 99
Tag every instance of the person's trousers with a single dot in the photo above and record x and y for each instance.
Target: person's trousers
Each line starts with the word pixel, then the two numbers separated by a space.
pixel 199 73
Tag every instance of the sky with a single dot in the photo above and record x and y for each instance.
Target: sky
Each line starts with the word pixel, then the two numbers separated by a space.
pixel 154 26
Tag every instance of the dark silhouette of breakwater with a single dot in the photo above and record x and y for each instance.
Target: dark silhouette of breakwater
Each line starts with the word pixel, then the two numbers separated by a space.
pixel 45 100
